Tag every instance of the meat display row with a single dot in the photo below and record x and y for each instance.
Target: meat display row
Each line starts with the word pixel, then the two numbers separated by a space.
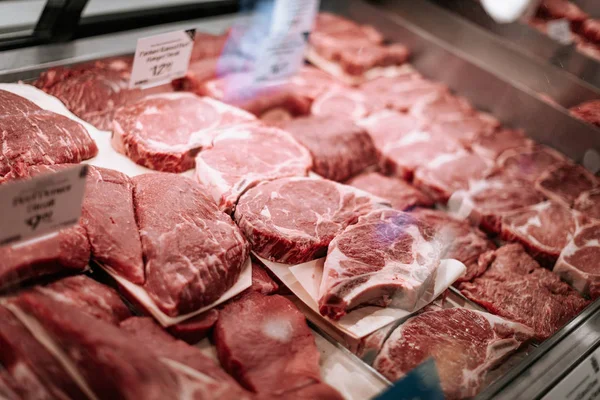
pixel 342 164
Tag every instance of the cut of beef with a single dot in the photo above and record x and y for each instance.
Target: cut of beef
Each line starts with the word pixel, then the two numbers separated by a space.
pixel 239 90
pixel 543 228
pixel 404 143
pixel 32 368
pixel 107 215
pixel 101 359
pixel 590 29
pixel 195 329
pixel 94 91
pixel 564 183
pixel 588 111
pixel 466 130
pixel 331 23
pixel 448 173
pixel 493 144
pixel 578 262
pixel 528 163
pixel 488 200
pixel 165 131
pixel 345 103
pixel 206 69
pixel 401 195
pixel 401 92
pixel 184 235
pixel 207 45
pixel 311 82
pixel 464 344
pixel 589 204
pixel 245 155
pixel 556 9
pixel 88 296
pixel 388 258
pixel 261 281
pixel 67 251
pixel 459 240
pixel 292 220
pixel 265 343
pixel 31 135
pixel 442 108
pixel 215 382
pixel 352 52
pixel 339 148
pixel 388 127
pixel 514 286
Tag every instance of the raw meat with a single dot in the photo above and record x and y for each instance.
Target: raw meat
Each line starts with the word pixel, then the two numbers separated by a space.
pixel 195 329
pixel 216 383
pixel 89 296
pixel 401 92
pixel 339 148
pixel 345 103
pixel 292 220
pixel 401 195
pixel 448 173
pixel 566 182
pixel 94 91
pixel 239 90
pixel 464 344
pixel 493 144
pixel 185 235
pixel 588 111
pixel 388 127
pixel 488 200
pixel 404 143
pixel 556 9
pixel 388 258
pixel 528 163
pixel 261 281
pixel 30 367
pixel 589 204
pixel 99 357
pixel 459 240
pixel 331 23
pixel 543 228
pixel 207 45
pixel 164 132
pixel 578 262
pixel 442 108
pixel 245 155
pixel 66 251
pixel 311 82
pixel 265 343
pixel 590 29
pixel 466 130
pixel 107 215
pixel 514 286
pixel 206 69
pixel 31 135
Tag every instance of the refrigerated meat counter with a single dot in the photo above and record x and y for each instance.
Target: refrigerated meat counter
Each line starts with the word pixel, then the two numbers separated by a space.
pixel 545 362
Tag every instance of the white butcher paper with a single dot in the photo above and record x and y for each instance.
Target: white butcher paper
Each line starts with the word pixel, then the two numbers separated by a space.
pixel 107 156
pixel 140 294
pixel 304 281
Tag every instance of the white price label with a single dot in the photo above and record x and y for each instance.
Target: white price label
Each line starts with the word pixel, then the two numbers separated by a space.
pixel 41 205
pixel 281 57
pixel 161 58
pixel 560 30
pixel 293 16
pixel 583 383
